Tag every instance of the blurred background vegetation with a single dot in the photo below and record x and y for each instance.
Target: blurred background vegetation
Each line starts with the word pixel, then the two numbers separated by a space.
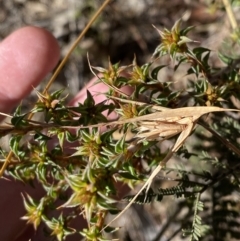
pixel 124 29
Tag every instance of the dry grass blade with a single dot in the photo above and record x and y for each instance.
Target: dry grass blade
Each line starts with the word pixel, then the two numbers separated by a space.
pixel 230 14
pixel 165 115
pixel 181 120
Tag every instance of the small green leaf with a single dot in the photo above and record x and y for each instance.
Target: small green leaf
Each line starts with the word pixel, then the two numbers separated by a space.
pixel 120 145
pixel 14 144
pixel 61 138
pixel 41 137
pixel 56 94
pixel 225 59
pixel 19 121
pixel 111 229
pixel 89 100
pixel 155 71
pixel 127 175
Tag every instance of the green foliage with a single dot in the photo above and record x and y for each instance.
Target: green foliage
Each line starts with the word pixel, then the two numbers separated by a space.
pixel 85 174
pixel 197 230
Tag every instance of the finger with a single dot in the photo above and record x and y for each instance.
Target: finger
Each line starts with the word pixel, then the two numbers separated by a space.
pixel 26 56
pixel 12 209
pixel 98 92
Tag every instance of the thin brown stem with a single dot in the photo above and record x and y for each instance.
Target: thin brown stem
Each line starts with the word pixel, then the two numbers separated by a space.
pixel 5 164
pixel 230 14
pixel 76 42
pixel 224 141
pixel 63 62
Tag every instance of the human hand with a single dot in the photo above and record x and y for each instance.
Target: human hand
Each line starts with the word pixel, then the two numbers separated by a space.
pixel 26 56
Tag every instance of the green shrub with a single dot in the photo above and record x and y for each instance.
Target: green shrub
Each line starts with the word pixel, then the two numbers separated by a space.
pixel 205 176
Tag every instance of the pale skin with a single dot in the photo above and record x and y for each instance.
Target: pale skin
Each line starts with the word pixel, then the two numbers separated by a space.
pixel 26 57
